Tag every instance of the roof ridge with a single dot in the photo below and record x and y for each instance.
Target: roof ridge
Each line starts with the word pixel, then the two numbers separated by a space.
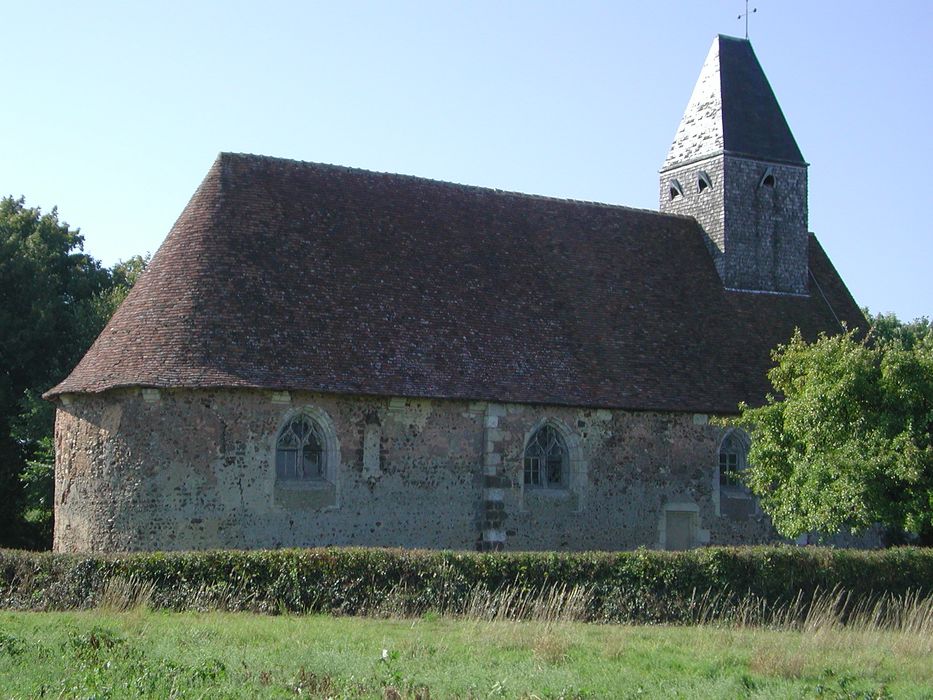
pixel 258 157
pixel 729 37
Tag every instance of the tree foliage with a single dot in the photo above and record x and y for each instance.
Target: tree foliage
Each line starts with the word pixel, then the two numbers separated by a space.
pixel 886 328
pixel 846 443
pixel 54 301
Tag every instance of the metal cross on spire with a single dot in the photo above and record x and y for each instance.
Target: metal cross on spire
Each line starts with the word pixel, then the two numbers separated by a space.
pixel 745 15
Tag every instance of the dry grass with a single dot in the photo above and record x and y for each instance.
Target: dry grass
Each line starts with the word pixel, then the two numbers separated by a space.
pixel 910 615
pixel 555 604
pixel 126 594
pixel 871 635
pixel 866 633
pixel 771 662
pixel 551 647
pixel 903 624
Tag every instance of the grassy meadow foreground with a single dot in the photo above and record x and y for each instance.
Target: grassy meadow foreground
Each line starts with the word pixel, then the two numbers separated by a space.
pixel 143 653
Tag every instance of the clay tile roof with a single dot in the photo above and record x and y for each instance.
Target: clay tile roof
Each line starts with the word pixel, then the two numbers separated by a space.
pixel 301 276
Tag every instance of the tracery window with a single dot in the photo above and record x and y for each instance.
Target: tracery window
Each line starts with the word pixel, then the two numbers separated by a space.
pixel 732 456
pixel 299 454
pixel 546 459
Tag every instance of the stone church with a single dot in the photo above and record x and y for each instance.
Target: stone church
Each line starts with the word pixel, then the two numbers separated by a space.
pixel 320 355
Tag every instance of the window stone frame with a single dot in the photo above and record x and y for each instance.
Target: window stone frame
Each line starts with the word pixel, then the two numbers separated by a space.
pixel 287 491
pixel 574 483
pixel 737 491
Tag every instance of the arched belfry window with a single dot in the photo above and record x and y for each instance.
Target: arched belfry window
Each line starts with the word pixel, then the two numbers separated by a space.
pixel 547 462
pixel 767 179
pixel 299 451
pixel 733 454
pixel 703 181
pixel 676 189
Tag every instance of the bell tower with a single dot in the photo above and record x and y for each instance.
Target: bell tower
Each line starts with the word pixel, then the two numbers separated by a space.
pixel 735 167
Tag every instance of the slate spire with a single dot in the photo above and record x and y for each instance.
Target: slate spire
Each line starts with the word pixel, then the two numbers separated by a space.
pixel 733 110
pixel 736 168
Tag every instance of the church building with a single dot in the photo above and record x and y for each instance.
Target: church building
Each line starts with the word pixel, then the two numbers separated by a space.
pixel 319 355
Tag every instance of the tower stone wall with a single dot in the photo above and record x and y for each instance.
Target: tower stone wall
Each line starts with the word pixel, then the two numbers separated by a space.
pixel 706 206
pixel 735 167
pixel 765 226
pixel 754 215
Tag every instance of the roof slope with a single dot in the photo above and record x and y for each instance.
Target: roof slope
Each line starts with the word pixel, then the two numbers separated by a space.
pixel 733 110
pixel 288 275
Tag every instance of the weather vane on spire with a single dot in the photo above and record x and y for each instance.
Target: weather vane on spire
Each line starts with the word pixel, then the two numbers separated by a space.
pixel 745 15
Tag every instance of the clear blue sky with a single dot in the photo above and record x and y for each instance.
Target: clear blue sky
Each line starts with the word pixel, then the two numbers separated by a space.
pixel 114 111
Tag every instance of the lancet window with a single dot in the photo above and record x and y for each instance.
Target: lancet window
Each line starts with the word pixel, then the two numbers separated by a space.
pixel 546 459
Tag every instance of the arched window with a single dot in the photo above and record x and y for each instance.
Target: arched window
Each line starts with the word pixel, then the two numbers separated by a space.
pixel 546 459
pixel 732 459
pixel 299 453
pixel 767 179
pixel 703 181
pixel 676 189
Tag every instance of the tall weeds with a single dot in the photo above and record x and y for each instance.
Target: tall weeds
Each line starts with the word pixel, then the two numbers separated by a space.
pixel 558 603
pixel 124 594
pixel 910 615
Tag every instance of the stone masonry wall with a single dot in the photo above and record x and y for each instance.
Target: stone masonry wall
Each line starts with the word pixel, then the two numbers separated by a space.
pixel 187 469
pixel 706 206
pixel 766 226
pixel 756 233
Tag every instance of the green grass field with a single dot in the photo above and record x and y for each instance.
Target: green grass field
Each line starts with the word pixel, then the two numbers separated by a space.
pixel 143 653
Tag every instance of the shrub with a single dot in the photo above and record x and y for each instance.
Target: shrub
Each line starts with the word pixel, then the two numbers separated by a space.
pixel 639 586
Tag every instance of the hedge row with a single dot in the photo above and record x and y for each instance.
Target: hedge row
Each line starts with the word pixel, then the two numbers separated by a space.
pixel 644 586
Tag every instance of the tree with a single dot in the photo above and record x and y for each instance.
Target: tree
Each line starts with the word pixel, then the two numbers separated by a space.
pixel 847 442
pixel 54 301
pixel 888 327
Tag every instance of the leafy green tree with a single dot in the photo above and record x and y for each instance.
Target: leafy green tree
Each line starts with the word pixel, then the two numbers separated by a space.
pixel 54 301
pixel 888 327
pixel 847 442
